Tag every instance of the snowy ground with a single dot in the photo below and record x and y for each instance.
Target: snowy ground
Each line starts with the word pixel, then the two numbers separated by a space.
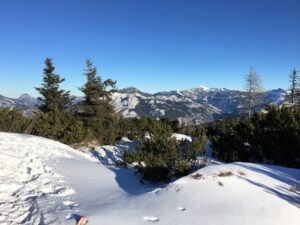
pixel 45 182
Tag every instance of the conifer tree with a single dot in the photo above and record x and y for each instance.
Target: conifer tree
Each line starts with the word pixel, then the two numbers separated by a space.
pixel 95 110
pixel 52 96
pixel 95 89
pixel 294 85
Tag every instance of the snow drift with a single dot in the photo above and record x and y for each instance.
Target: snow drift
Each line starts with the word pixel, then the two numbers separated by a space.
pixel 45 182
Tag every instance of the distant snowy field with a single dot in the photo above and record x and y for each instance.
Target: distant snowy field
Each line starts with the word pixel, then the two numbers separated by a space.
pixel 46 182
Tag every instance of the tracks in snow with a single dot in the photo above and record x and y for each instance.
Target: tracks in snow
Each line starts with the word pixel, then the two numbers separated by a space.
pixel 25 179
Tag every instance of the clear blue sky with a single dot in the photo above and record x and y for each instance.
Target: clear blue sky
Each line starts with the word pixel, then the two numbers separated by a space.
pixel 153 45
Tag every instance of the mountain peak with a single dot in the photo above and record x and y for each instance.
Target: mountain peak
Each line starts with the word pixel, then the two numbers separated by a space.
pixel 131 90
pixel 25 96
pixel 204 88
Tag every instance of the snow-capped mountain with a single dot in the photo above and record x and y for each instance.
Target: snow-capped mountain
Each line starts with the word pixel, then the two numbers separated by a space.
pixel 201 104
pixel 233 101
pixel 25 102
pixel 174 105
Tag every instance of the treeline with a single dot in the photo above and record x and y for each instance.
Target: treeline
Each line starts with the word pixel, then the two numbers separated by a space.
pixel 90 120
pixel 270 137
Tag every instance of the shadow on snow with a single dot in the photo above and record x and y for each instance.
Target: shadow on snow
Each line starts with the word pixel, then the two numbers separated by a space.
pixel 126 178
pixel 285 175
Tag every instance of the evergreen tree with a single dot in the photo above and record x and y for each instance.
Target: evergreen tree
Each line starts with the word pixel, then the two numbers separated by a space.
pixel 95 89
pixel 52 96
pixel 95 110
pixel 294 85
pixel 56 120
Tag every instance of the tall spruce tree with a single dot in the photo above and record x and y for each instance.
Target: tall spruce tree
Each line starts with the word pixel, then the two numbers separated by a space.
pixel 253 89
pixel 95 110
pixel 56 120
pixel 294 86
pixel 52 96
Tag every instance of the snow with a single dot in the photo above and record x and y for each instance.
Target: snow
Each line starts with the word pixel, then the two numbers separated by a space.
pixel 109 154
pixel 26 178
pixel 182 137
pixel 126 103
pixel 45 182
pixel 150 218
pixel 172 98
pixel 200 88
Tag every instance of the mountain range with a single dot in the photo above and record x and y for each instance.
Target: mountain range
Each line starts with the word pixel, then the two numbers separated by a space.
pixel 200 104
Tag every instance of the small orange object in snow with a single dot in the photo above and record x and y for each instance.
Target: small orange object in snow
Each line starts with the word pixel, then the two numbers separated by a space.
pixel 82 221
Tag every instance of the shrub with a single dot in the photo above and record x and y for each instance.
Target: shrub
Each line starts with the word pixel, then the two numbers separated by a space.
pixel 160 157
pixel 157 157
pixel 293 188
pixel 271 137
pixel 12 120
pixel 59 125
pixel 154 169
pixel 182 168
pixel 225 174
pixel 241 173
pixel 130 157
pixel 197 176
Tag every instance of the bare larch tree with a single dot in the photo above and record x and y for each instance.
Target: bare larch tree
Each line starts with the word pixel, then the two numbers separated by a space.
pixel 253 89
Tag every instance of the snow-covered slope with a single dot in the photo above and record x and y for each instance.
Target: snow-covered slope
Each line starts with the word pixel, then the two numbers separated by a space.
pixel 30 188
pixel 45 182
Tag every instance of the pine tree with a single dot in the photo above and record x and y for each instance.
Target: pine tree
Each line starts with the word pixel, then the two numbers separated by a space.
pixel 52 96
pixel 294 85
pixel 94 89
pixel 253 88
pixel 95 110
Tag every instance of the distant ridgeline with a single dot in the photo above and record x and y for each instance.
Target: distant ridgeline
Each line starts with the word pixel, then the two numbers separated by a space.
pixel 199 104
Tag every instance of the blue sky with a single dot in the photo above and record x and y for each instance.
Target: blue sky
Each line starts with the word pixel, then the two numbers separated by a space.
pixel 153 45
